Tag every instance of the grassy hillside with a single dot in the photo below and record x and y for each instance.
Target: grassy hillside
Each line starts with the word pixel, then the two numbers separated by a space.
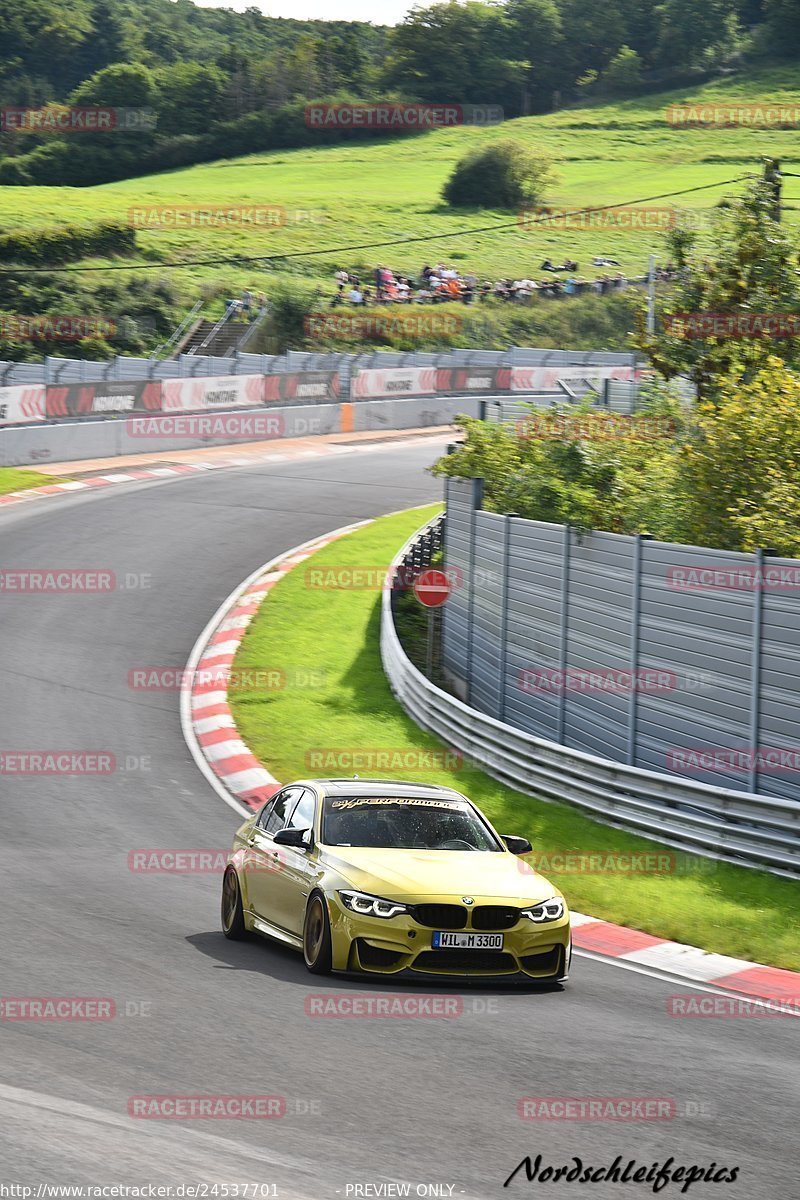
pixel 390 190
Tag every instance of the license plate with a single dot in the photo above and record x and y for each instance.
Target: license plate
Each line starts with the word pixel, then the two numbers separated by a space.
pixel 467 941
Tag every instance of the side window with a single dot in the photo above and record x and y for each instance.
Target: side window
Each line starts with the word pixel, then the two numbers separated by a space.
pixel 265 813
pixel 303 815
pixel 284 802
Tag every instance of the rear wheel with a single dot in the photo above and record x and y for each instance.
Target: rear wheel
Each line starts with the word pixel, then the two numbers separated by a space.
pixel 231 910
pixel 317 936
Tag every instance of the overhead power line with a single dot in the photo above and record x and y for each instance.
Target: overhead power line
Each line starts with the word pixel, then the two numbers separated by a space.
pixel 498 227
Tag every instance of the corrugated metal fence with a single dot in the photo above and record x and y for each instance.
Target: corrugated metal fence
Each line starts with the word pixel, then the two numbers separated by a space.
pixel 733 825
pixel 670 658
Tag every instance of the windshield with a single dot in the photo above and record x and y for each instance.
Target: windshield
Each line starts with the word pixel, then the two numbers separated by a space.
pixel 404 823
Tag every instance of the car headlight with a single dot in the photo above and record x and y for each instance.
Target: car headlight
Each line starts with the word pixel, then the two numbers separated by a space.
pixel 371 906
pixel 548 910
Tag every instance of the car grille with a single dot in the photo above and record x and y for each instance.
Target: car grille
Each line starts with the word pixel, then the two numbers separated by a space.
pixel 494 916
pixel 440 916
pixel 466 962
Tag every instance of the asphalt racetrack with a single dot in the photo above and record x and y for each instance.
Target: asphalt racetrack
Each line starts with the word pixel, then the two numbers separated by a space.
pixel 369 1105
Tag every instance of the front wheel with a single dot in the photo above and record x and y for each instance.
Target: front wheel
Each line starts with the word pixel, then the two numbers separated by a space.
pixel 317 936
pixel 231 910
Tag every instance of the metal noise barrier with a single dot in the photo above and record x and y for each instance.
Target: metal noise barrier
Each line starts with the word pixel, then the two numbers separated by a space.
pixel 731 826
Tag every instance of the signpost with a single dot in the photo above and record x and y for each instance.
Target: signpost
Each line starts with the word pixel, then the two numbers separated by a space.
pixel 432 588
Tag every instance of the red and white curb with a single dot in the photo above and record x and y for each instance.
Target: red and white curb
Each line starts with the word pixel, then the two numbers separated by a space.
pixel 179 469
pixel 245 784
pixel 208 725
pixel 771 986
pixel 117 477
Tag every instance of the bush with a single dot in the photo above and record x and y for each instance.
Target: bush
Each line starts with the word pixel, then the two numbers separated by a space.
pixel 68 244
pixel 504 174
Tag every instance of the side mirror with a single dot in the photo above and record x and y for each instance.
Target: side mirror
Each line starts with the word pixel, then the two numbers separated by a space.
pixel 301 839
pixel 517 845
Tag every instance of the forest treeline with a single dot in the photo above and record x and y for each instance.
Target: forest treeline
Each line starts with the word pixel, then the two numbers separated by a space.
pixel 221 83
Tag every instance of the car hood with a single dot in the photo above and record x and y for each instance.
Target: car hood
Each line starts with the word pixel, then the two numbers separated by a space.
pixel 423 874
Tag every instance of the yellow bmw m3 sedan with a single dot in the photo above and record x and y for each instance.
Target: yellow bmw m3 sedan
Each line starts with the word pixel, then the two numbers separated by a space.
pixel 378 877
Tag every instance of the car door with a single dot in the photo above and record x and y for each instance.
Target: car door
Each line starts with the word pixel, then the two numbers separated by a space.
pixel 295 869
pixel 264 857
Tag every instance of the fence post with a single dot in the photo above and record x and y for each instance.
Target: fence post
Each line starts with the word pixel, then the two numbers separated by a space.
pixel 564 634
pixel 636 614
pixel 755 670
pixel 476 500
pixel 501 716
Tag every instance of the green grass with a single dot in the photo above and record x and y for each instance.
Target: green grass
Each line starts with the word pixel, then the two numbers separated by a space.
pixel 14 480
pixel 726 909
pixel 390 190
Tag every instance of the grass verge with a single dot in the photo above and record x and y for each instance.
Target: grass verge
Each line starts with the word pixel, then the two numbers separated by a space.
pixel 329 639
pixel 13 479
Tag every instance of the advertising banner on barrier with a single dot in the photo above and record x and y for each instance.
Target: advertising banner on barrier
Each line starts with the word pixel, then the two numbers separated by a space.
pixel 217 391
pixel 458 380
pixel 93 399
pixel 302 386
pixel 20 405
pixel 389 382
pixel 545 379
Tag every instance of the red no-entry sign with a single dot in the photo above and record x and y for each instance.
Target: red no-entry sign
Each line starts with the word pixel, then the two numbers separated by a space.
pixel 432 588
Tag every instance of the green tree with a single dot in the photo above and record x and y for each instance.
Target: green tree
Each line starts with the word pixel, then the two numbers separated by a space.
pixel 740 471
pixel 592 37
pixel 624 74
pixel 750 271
pixel 190 97
pixel 537 38
pixel 456 53
pixel 782 19
pixel 693 32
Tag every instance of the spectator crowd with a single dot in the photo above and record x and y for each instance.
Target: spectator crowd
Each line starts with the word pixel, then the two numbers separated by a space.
pixel 445 284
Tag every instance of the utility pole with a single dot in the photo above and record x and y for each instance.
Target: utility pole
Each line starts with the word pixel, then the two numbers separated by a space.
pixel 773 179
pixel 651 295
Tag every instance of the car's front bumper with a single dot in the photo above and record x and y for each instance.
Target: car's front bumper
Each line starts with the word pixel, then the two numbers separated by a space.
pixel 402 947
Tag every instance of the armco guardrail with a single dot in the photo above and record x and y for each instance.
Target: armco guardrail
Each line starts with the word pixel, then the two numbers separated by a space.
pixel 737 827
